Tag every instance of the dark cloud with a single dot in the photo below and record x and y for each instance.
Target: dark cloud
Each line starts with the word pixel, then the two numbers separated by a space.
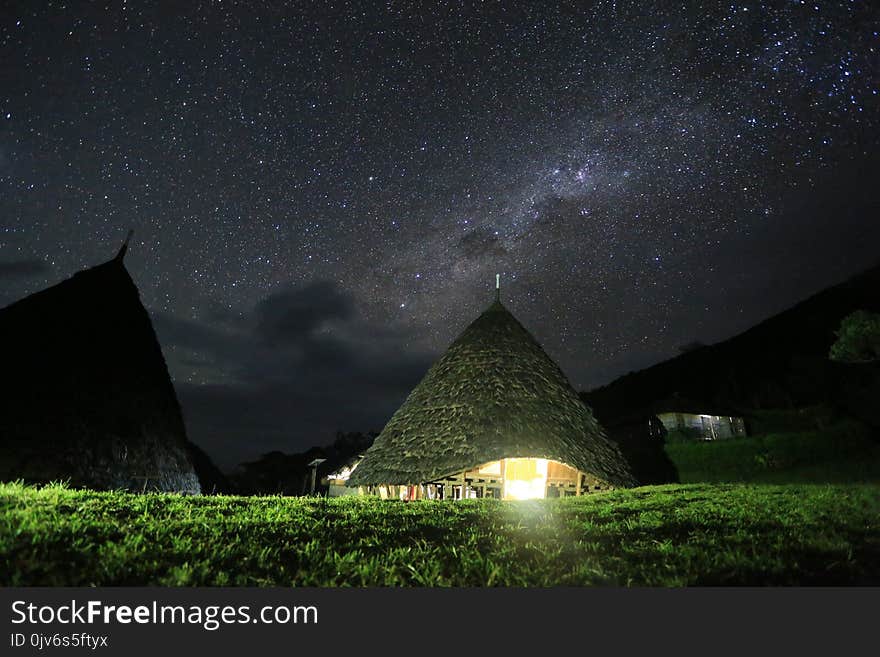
pixel 23 268
pixel 481 243
pixel 216 314
pixel 198 336
pixel 292 314
pixel 288 375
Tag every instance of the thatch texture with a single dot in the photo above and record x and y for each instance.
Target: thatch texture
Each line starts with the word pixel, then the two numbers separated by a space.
pixel 494 394
pixel 87 396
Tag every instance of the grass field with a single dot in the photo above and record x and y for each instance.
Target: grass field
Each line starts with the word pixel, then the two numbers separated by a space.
pixel 664 535
pixel 840 453
pixel 779 509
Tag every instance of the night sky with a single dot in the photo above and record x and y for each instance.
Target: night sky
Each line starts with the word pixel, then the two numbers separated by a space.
pixel 321 196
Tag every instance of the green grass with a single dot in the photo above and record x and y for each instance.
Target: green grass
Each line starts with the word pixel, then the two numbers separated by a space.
pixel 790 420
pixel 841 453
pixel 796 508
pixel 664 535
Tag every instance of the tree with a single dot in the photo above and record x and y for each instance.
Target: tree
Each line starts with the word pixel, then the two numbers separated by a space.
pixel 858 339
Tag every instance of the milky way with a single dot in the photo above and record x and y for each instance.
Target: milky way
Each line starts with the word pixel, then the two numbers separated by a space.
pixel 322 196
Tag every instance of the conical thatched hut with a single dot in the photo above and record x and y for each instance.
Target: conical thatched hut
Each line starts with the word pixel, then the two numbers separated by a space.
pixel 495 417
pixel 87 396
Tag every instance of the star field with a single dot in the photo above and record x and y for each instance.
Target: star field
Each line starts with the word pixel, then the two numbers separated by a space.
pixel 641 176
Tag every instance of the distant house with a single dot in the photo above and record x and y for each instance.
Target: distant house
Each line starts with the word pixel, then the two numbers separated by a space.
pixel 337 481
pixel 702 426
pixel 688 418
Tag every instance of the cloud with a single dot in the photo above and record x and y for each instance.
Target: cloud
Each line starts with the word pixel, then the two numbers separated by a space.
pixel 197 336
pixel 24 268
pixel 300 366
pixel 293 313
pixel 480 243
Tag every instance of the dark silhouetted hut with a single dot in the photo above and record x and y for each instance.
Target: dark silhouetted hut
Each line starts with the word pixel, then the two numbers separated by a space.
pixel 87 397
pixel 494 417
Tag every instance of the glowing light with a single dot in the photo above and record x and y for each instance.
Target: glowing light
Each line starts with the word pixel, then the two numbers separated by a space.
pixel 344 473
pixel 525 479
pixel 493 468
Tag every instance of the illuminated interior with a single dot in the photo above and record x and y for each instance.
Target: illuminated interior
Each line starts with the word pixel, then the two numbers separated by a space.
pixel 525 479
pixel 515 478
pixel 492 468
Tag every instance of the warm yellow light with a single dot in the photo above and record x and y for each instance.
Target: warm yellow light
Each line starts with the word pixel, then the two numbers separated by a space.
pixel 492 468
pixel 525 479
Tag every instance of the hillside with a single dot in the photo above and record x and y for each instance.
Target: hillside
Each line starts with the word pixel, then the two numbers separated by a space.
pixel 290 474
pixel 780 363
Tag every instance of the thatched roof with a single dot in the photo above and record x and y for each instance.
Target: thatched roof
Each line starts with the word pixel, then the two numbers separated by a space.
pixel 494 394
pixel 87 396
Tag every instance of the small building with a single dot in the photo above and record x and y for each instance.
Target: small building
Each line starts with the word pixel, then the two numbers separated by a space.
pixel 493 417
pixel 337 481
pixel 689 418
pixel 702 426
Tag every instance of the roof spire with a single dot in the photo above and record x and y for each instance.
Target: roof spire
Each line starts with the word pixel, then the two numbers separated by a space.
pixel 124 247
pixel 498 288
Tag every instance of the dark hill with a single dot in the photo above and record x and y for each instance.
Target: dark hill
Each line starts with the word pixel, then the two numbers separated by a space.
pixel 289 474
pixel 87 396
pixel 780 363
